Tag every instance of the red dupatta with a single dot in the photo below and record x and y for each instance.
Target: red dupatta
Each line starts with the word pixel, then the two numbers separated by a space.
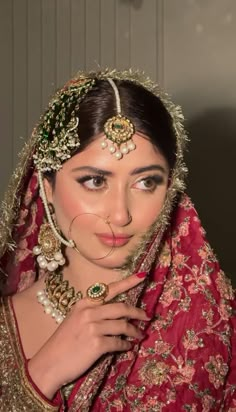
pixel 186 361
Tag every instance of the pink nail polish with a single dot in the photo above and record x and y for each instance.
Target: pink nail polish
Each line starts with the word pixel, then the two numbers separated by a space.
pixel 141 275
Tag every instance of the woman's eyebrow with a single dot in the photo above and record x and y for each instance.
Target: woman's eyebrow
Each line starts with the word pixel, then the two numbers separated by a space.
pixel 138 170
pixel 149 168
pixel 92 169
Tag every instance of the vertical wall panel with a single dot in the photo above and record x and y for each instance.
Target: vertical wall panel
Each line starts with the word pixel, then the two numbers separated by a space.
pixel 34 62
pixel 122 58
pixel 108 24
pixel 63 49
pixel 160 42
pixel 92 34
pixel 78 46
pixel 20 74
pixel 143 36
pixel 48 52
pixel 6 97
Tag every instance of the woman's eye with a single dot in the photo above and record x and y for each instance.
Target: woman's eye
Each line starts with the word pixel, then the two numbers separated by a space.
pixel 92 182
pixel 149 183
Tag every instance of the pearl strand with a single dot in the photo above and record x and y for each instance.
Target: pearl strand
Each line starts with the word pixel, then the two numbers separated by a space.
pixel 70 242
pixel 117 96
pixel 49 308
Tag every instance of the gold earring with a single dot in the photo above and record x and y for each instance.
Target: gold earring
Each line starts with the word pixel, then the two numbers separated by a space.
pixel 48 250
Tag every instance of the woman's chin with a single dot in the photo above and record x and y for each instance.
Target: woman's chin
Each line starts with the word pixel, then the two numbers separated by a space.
pixel 104 257
pixel 114 260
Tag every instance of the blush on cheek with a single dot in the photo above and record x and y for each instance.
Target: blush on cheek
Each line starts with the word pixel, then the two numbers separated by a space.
pixel 151 210
pixel 66 208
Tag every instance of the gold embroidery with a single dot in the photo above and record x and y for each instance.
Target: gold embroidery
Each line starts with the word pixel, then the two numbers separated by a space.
pixel 154 372
pixel 17 392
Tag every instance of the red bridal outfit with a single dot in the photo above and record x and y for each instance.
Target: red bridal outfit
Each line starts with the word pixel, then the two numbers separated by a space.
pixel 186 360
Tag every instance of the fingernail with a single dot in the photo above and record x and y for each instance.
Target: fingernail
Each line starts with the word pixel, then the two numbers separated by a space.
pixel 141 275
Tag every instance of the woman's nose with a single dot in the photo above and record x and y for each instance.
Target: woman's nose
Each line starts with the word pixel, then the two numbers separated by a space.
pixel 119 213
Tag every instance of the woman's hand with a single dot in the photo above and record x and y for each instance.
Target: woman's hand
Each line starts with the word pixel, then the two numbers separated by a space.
pixel 89 331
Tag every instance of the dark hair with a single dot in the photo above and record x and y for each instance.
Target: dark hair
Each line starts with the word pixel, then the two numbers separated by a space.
pixel 146 111
pixel 143 108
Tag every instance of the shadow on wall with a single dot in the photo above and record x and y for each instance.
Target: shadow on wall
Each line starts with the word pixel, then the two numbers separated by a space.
pixel 212 162
pixel 135 3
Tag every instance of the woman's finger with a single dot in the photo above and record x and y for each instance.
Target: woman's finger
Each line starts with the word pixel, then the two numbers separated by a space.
pixel 118 310
pixel 116 328
pixel 121 286
pixel 113 289
pixel 110 311
pixel 115 344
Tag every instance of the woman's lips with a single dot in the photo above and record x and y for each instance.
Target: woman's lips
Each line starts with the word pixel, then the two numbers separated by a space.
pixel 113 241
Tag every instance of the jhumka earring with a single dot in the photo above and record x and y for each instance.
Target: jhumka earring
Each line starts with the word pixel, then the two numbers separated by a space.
pixel 48 250
pixel 119 130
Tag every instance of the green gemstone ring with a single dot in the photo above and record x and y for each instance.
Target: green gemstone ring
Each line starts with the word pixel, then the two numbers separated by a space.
pixel 97 292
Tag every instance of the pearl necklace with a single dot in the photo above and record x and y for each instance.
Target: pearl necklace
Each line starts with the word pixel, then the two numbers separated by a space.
pixel 58 296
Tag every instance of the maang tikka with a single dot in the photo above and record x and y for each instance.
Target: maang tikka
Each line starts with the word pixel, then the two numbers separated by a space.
pixel 118 130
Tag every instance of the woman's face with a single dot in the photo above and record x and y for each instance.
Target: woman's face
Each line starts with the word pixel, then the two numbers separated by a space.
pixel 106 205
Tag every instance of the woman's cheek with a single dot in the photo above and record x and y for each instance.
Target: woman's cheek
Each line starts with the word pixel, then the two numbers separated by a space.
pixel 150 208
pixel 68 207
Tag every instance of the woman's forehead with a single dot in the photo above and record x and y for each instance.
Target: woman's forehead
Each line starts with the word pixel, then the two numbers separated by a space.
pixel 94 155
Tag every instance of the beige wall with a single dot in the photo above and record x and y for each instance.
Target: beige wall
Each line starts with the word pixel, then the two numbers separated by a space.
pixel 186 45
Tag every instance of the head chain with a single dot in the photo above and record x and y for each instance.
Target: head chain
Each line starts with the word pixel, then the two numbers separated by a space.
pixel 57 134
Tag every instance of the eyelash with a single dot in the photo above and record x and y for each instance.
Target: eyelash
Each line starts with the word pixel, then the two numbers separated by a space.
pixel 157 180
pixel 86 178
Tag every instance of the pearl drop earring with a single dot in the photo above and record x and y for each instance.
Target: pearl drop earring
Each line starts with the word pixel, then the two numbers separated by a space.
pixel 48 251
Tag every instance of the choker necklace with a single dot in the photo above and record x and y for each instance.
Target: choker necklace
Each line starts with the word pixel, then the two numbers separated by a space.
pixel 58 297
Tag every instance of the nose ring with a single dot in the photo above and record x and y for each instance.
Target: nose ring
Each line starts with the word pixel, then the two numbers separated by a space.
pixel 107 221
pixel 129 217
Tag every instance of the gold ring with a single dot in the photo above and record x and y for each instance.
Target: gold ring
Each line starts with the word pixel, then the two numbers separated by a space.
pixel 97 292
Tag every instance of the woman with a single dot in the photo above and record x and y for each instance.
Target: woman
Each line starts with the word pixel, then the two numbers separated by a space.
pixel 133 312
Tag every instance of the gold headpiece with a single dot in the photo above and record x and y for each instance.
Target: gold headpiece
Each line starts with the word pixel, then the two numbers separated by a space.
pixel 57 134
pixel 119 130
pixel 57 137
